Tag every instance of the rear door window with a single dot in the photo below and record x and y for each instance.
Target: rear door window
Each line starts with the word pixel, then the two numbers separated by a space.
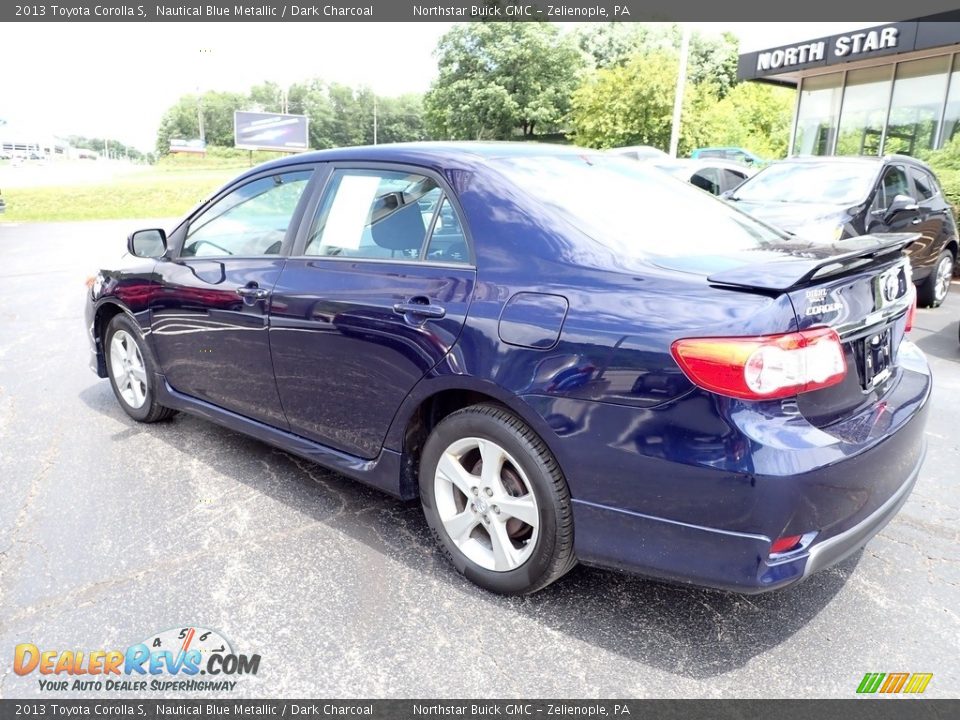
pixel 374 214
pixel 925 184
pixel 707 179
pixel 386 215
pixel 732 178
pixel 448 242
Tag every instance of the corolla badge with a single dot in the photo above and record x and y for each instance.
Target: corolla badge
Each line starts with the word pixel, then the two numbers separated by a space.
pixel 891 287
pixel 818 304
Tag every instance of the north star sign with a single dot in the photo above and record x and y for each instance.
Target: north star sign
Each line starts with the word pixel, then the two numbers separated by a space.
pixel 849 45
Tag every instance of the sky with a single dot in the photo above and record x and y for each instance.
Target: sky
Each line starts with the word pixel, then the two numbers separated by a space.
pixel 117 79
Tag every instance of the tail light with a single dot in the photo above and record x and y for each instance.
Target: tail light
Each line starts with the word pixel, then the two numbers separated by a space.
pixel 763 367
pixel 912 312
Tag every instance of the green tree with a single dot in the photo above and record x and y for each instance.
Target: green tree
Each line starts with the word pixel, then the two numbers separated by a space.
pixel 182 120
pixel 339 115
pixel 628 104
pixel 266 97
pixel 116 149
pixel 400 119
pixel 310 98
pixel 712 59
pixel 755 116
pixel 497 78
pixel 352 122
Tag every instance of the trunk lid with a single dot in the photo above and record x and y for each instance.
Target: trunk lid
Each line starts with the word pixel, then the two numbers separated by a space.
pixel 860 287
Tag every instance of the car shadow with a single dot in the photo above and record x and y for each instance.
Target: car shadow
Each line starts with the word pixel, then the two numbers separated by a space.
pixel 687 631
pixel 942 343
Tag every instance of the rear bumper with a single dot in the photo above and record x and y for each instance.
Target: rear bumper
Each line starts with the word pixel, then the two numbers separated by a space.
pixel 835 549
pixel 697 492
pixel 737 562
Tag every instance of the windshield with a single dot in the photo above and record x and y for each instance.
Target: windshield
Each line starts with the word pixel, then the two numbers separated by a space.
pixel 830 183
pixel 635 210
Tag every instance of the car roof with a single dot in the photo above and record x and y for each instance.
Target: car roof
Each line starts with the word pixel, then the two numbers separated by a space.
pixel 694 163
pixel 437 155
pixel 636 148
pixel 865 159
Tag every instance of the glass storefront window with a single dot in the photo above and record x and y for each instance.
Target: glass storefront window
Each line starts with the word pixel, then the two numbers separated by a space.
pixel 951 120
pixel 915 108
pixel 864 110
pixel 817 114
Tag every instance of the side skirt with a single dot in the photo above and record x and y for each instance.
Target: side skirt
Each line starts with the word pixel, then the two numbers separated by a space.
pixel 382 473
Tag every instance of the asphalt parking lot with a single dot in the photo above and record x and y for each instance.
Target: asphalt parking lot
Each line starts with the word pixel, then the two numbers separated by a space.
pixel 111 531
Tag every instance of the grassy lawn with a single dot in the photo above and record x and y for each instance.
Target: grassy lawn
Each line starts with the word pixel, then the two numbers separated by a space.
pixel 168 189
pixel 155 192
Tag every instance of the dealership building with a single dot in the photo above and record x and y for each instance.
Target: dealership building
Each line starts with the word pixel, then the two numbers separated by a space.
pixel 892 88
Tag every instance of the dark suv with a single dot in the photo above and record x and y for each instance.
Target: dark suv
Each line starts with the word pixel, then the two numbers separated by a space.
pixel 827 199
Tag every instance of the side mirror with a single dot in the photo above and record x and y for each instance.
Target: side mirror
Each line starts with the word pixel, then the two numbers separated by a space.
pixel 901 203
pixel 147 243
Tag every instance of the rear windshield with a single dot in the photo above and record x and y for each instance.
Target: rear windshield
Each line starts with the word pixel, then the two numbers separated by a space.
pixel 635 210
pixel 831 183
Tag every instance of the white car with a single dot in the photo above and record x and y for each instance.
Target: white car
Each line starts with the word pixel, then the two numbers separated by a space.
pixel 710 174
pixel 640 152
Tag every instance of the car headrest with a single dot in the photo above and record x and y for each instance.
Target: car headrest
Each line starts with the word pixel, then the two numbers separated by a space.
pixel 402 229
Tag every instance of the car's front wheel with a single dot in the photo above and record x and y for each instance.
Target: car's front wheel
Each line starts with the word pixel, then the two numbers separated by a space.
pixel 131 370
pixel 497 501
pixel 934 290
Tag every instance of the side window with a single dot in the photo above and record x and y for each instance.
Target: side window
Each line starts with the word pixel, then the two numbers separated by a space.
pixel 926 186
pixel 374 214
pixel 894 183
pixel 447 242
pixel 707 179
pixel 732 179
pixel 251 220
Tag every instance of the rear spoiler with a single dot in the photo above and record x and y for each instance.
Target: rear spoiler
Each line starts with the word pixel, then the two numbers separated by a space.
pixel 805 261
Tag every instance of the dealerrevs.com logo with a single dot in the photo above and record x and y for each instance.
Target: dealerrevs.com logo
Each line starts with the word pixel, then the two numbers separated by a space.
pixel 170 661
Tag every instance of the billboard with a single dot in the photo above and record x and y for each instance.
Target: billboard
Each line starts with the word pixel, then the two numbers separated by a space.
pixel 270 131
pixel 181 145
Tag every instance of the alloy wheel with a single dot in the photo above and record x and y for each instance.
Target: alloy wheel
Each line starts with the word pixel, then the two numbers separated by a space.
pixel 486 504
pixel 129 373
pixel 944 276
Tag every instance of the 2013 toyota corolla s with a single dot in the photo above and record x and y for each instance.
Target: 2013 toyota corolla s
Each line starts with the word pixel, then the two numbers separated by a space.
pixel 565 355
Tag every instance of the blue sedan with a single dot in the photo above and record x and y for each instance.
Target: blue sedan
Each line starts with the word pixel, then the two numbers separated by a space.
pixel 564 355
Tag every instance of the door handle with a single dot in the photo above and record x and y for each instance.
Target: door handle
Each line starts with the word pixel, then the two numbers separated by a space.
pixel 421 307
pixel 253 292
pixel 916 221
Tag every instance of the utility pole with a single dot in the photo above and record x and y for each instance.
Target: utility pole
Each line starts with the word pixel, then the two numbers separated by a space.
pixel 678 93
pixel 374 119
pixel 106 149
pixel 200 116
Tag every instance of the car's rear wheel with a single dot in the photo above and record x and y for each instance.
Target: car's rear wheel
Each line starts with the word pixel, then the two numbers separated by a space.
pixel 496 500
pixel 131 370
pixel 934 290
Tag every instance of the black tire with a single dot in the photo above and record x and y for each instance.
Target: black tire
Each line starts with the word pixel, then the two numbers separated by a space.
pixel 552 555
pixel 150 410
pixel 930 293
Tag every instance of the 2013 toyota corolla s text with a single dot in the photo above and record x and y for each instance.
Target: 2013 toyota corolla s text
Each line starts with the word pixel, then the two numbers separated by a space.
pixel 565 355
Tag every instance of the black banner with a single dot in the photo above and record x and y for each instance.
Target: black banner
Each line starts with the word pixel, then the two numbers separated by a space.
pixel 461 10
pixel 860 709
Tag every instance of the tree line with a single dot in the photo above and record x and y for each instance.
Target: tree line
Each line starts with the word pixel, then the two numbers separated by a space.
pixel 600 85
